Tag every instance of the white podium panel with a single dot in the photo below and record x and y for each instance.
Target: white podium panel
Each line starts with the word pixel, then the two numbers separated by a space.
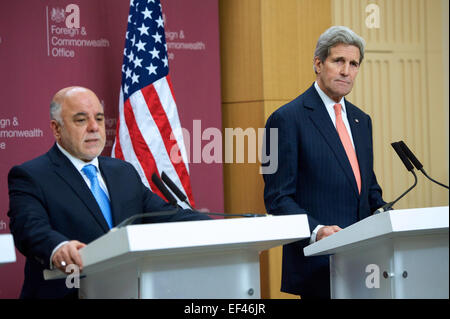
pixel 186 276
pixel 195 259
pixel 396 254
pixel 7 251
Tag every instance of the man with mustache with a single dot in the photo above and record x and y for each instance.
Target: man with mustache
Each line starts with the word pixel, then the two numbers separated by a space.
pixel 68 197
pixel 326 160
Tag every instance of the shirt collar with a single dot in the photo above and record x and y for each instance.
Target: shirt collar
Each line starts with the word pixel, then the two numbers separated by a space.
pixel 79 164
pixel 329 103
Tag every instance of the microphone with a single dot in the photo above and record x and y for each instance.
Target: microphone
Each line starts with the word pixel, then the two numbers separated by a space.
pixel 398 149
pixel 160 185
pixel 168 195
pixel 416 162
pixel 174 188
pixel 172 201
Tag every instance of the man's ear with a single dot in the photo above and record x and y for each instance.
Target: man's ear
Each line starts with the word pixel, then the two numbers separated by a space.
pixel 56 129
pixel 317 65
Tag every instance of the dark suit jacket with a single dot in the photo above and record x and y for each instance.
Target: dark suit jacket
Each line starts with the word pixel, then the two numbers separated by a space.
pixel 314 177
pixel 50 203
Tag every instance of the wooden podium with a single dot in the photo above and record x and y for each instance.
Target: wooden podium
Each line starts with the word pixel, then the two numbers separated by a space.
pixel 194 259
pixel 396 254
pixel 7 251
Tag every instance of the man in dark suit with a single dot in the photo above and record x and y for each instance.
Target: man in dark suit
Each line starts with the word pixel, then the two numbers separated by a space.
pixel 68 197
pixel 325 160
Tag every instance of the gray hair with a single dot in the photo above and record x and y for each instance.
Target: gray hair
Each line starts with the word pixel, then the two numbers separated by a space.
pixel 334 36
pixel 55 112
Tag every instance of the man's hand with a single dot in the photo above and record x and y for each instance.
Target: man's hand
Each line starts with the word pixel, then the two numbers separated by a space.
pixel 68 254
pixel 326 231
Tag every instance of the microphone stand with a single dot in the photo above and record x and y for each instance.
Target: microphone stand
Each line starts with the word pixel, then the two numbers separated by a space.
pixel 388 206
pixel 401 154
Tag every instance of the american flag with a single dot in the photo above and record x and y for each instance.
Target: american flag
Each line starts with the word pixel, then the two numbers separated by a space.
pixel 148 133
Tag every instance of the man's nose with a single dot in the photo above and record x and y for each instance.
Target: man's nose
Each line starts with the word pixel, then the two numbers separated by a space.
pixel 345 69
pixel 92 125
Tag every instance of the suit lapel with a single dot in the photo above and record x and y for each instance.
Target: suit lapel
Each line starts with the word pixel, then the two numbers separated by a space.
pixel 322 121
pixel 64 168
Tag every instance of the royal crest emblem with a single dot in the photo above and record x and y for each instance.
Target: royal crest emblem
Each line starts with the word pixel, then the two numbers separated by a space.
pixel 58 15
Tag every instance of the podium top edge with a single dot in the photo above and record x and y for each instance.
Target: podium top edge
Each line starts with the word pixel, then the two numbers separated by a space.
pixel 204 237
pixel 388 224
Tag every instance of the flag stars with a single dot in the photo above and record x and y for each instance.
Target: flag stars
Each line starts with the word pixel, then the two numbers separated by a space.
pixel 128 73
pixel 160 22
pixel 146 49
pixel 154 53
pixel 130 57
pixel 151 69
pixel 135 78
pixel 147 14
pixel 137 62
pixel 157 37
pixel 143 29
pixel 140 46
pixel 165 61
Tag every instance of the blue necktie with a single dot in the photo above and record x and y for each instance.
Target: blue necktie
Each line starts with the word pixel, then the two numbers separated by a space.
pixel 102 200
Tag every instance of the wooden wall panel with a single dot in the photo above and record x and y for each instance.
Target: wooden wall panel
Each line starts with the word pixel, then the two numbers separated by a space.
pixel 437 78
pixel 394 86
pixel 290 30
pixel 243 184
pixel 240 50
pixel 401 22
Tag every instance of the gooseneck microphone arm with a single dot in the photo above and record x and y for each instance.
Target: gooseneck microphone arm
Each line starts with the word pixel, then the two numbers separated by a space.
pixel 160 185
pixel 389 206
pixel 168 195
pixel 417 163
pixel 398 149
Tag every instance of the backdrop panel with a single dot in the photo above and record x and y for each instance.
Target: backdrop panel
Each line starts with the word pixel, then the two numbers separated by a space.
pixel 39 54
